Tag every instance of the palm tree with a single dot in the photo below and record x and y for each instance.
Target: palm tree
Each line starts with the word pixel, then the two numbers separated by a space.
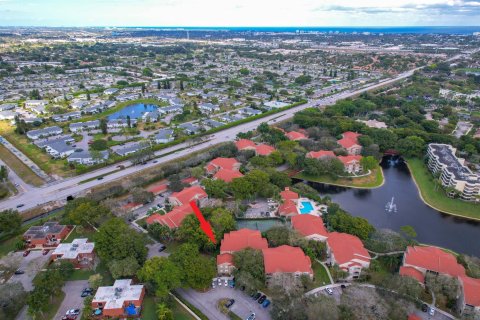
pixel 163 312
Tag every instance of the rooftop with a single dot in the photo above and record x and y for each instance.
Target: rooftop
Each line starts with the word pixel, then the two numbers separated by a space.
pixel 72 250
pixel 115 296
pixel 286 259
pixel 242 239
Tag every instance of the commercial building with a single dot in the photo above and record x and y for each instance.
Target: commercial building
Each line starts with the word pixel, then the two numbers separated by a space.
pixel 79 252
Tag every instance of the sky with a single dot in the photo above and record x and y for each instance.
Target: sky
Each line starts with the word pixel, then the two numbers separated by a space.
pixel 299 13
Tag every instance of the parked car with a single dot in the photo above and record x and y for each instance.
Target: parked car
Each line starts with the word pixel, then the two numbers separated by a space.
pixel 213 284
pixel 19 271
pixel 266 303
pixel 20 205
pixel 229 303
pixel 431 311
pixel 161 248
pixel 86 292
pixel 251 316
pixel 262 299
pixel 329 291
pixel 45 251
pixel 257 295
pixel 225 283
pixel 71 317
pixel 231 283
pixel 73 312
pixel 424 307
pixel 100 178
pixel 26 253
pixel 343 286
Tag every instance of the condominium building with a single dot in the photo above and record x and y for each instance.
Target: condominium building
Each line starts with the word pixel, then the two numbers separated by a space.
pixel 452 170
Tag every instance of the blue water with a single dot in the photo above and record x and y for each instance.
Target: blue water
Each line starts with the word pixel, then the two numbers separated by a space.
pixel 344 29
pixel 134 111
pixel 306 207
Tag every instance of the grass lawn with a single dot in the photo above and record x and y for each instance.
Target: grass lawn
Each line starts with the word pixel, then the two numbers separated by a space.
pixel 321 276
pixel 149 310
pixel 84 233
pixel 373 180
pixel 19 167
pixel 8 245
pixel 52 307
pixel 438 199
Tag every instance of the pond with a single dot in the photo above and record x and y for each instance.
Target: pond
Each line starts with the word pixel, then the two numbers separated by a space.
pixel 432 226
pixel 135 111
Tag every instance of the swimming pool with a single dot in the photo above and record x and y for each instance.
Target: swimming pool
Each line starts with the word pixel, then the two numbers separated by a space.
pixel 307 207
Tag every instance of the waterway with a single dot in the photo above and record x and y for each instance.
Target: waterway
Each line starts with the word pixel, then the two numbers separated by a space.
pixel 135 111
pixel 432 227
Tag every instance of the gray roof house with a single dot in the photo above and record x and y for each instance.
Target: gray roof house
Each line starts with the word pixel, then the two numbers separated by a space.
pixel 67 116
pixel 81 126
pixel 45 132
pixel 208 107
pixel 85 157
pixel 212 123
pixel 164 136
pixel 190 128
pixel 7 106
pixel 7 115
pixel 250 111
pixel 43 143
pixel 59 149
pixel 130 148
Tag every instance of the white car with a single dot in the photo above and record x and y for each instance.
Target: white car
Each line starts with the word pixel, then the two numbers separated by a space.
pixel 252 316
pixel 73 312
pixel 213 284
pixel 226 283
pixel 431 311
pixel 329 291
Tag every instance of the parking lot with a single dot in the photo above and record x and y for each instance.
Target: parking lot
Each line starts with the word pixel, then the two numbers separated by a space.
pixel 154 250
pixel 73 299
pixel 31 265
pixel 260 208
pixel 207 303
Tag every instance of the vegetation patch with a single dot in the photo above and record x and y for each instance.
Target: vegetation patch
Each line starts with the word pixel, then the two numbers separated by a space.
pixel 374 180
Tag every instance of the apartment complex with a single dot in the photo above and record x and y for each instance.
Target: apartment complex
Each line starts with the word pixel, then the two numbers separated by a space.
pixel 453 172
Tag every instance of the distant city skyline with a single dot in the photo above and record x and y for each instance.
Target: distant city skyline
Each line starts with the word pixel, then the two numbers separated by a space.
pixel 234 13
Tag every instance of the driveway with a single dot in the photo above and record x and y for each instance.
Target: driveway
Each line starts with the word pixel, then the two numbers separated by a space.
pixel 153 250
pixel 72 300
pixel 207 303
pixel 31 265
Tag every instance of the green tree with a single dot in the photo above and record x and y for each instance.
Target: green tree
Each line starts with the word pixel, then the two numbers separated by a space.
pixel 368 163
pixel 162 273
pixel 222 222
pixel 115 240
pixel 411 146
pixel 12 299
pixel 10 222
pixel 103 125
pixel 127 267
pixel 95 281
pixel 163 312
pixel 249 269
pixel 86 212
pixel 242 188
pixel 215 188
pixel 99 145
pixel 191 232
pixel 147 72
pixel 197 270
pixel 344 222
pixel 142 196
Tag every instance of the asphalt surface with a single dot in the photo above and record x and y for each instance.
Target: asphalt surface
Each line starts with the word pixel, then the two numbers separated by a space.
pixel 31 265
pixel 73 299
pixel 60 190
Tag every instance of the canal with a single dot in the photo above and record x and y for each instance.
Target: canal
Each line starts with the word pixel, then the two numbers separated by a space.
pixel 432 227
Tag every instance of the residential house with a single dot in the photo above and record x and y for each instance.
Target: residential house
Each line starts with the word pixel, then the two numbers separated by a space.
pixel 37 106
pixel 310 226
pixel 286 260
pixel 288 207
pixel 127 97
pixel 350 143
pixel 295 136
pixel 235 241
pixel 45 132
pixel 250 111
pixel 275 104
pixel 187 195
pixel 225 169
pixel 122 300
pixel 80 104
pixel 66 116
pixel 212 123
pixel 59 149
pixel 48 235
pixel 86 158
pixel 320 154
pixel 190 128
pixel 130 148
pixel 79 252
pixel 347 251
pixel 208 108
pixel 110 91
pixel 260 149
pixel 164 136
pixel 351 163
pixel 7 115
pixel 374 124
pixel 7 106
pixel 84 126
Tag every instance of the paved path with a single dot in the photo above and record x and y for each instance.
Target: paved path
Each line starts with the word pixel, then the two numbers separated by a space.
pixel 73 299
pixel 20 185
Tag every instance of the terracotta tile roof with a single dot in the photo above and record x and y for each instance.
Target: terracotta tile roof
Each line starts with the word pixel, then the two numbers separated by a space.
pixel 156 189
pixel 294 135
pixel 225 258
pixel 471 290
pixel 190 180
pixel 286 259
pixel 308 225
pixel 189 194
pixel 433 259
pixel 242 239
pixel 287 194
pixel 264 150
pixel 320 153
pixel 346 248
pixel 287 208
pixel 227 175
pixel 244 143
pixel 413 273
pixel 349 139
pixel 222 163
pixel 349 159
pixel 172 219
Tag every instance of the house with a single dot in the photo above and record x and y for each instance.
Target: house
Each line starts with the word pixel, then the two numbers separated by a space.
pixel 264 150
pixel 7 115
pixel 130 148
pixel 127 97
pixel 84 126
pixel 310 226
pixel 227 175
pixel 79 104
pixel 45 132
pixel 86 158
pixel 50 234
pixel 190 181
pixel 190 128
pixel 66 116
pixel 245 144
pixel 43 143
pixel 374 124
pixel 295 136
pixel 320 154
pixel 347 251
pixel 288 207
pixel 286 260
pixel 121 300
pixel 181 200
pixel 79 252
pixel 350 143
pixel 351 163
pixel 275 104
pixel 37 106
pixel 250 111
pixel 420 260
pixel 187 195
pixel 235 241
pixel 110 91
pixel 164 136
pixel 208 108
pixel 222 163
pixel 7 106
pixel 212 123
pixel 59 149
pixel 119 123
pixel 159 187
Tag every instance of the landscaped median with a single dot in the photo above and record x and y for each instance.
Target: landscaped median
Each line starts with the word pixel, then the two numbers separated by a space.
pixel 374 180
pixel 438 199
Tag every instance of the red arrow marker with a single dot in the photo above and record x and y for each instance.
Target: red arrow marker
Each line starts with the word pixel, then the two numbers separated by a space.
pixel 206 227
